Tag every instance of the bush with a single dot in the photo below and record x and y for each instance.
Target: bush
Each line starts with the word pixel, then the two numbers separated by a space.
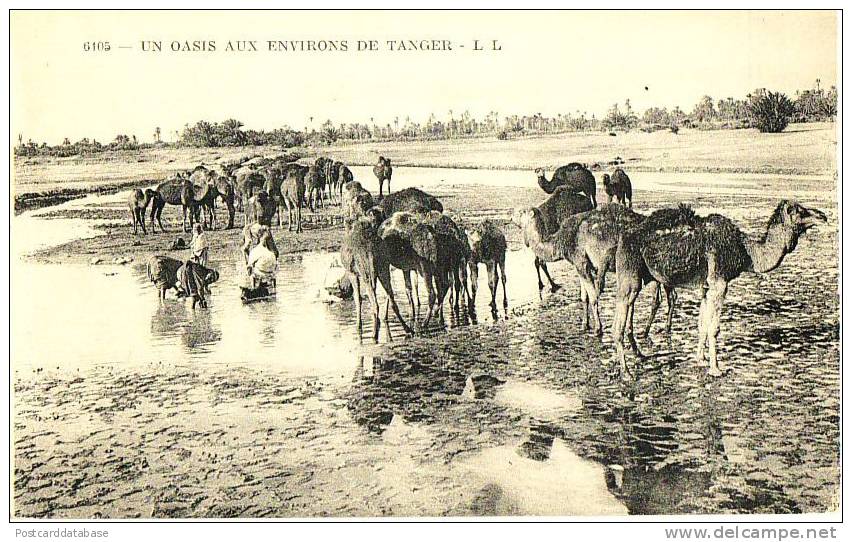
pixel 503 136
pixel 772 112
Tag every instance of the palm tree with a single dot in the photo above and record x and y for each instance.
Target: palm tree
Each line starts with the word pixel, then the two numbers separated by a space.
pixel 157 134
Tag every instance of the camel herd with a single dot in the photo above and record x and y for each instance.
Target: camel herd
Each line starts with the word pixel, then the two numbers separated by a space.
pixel 668 249
pixel 408 230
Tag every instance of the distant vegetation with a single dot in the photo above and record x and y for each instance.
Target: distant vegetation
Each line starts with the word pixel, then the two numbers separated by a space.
pixel 761 109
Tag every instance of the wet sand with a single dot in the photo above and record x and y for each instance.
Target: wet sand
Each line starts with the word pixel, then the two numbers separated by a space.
pixel 522 415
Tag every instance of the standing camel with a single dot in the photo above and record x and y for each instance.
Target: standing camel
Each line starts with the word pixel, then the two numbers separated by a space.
pixel 578 179
pixel 588 241
pixel 563 203
pixel 488 246
pixel 362 254
pixel 315 185
pixel 293 194
pixel 618 188
pixel 383 172
pixel 677 248
pixel 176 190
pixel 410 245
pixel 453 255
pixel 344 177
pixel 138 204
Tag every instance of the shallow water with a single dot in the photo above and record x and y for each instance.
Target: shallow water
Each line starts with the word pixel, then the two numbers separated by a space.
pixel 126 406
pixel 118 304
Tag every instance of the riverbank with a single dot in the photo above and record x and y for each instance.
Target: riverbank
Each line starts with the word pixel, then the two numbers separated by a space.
pixel 803 149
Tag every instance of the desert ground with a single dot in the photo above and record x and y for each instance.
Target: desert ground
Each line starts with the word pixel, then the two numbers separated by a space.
pixel 124 406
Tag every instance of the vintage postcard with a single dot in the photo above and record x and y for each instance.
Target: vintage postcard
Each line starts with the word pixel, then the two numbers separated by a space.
pixel 420 264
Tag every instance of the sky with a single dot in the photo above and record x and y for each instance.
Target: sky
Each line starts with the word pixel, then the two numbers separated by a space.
pixel 550 63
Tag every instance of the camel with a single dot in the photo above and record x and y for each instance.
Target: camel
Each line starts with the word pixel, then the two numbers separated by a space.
pixel 275 174
pixel 344 177
pixel 410 199
pixel 205 183
pixel 315 185
pixel 587 240
pixel 176 190
pixel 383 171
pixel 335 181
pixel 677 248
pixel 563 203
pixel 138 203
pixel 356 201
pixel 363 255
pixel 247 183
pixel 488 246
pixel 453 255
pixel 162 271
pixel 579 179
pixel 618 188
pixel 260 209
pixel 293 194
pixel 410 245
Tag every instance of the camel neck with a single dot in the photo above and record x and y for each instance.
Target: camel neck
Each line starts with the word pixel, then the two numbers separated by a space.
pixel 542 245
pixel 767 254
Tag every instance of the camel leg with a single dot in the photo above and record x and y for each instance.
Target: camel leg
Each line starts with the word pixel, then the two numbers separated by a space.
pixel 443 286
pixel 627 290
pixel 133 218
pixel 553 286
pixel 374 306
pixel 715 301
pixel 406 275
pixel 474 279
pixel 356 296
pixel 153 215
pixel 160 217
pixel 141 219
pixel 656 299
pixel 491 267
pixel 430 287
pixel 231 212
pixel 702 327
pixel 537 264
pixel 671 295
pixel 502 266
pixel 465 290
pixel 385 279
pixel 585 303
pixel 299 219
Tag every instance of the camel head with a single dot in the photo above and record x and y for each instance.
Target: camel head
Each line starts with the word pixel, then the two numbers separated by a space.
pixel 474 239
pixel 606 179
pixel 522 216
pixel 539 172
pixel 796 217
pixel 376 215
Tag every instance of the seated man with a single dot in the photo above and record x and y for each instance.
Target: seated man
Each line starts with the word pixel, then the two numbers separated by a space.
pixel 262 266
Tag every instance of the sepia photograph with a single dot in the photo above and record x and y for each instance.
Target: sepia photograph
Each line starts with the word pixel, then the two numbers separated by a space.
pixel 424 264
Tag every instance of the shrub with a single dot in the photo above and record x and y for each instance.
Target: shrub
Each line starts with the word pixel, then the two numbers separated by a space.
pixel 772 112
